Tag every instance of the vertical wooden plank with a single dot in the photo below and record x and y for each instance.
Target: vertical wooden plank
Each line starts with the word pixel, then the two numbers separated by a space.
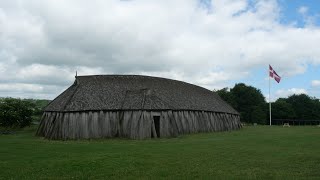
pixel 180 121
pixel 117 122
pixel 221 121
pixel 146 125
pixel 108 123
pixel 140 129
pixel 132 122
pixel 81 126
pixel 71 126
pixel 233 123
pixel 48 123
pixel 58 127
pixel 173 125
pixel 188 117
pixel 53 121
pixel 141 126
pixel 77 119
pixel 65 126
pixel 196 121
pixel 109 115
pixel 85 122
pixel 105 124
pixel 226 123
pixel 164 121
pixel 209 120
pixel 218 121
pixel 101 131
pixel 95 125
pixel 90 124
pixel 126 124
pixel 40 127
pixel 206 121
pixel 153 129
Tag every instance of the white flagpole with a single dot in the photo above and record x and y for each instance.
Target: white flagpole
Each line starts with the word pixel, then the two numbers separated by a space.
pixel 269 97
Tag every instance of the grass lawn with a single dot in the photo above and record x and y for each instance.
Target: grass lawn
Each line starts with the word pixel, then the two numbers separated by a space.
pixel 260 152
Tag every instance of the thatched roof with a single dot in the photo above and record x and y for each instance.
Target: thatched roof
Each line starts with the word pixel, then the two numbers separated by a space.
pixel 134 92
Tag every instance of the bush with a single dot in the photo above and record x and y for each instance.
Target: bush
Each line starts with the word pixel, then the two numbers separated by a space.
pixel 15 113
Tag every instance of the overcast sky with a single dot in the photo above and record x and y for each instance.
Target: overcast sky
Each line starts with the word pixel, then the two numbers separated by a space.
pixel 213 44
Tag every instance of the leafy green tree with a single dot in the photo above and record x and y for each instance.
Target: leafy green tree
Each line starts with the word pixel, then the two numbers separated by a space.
pixel 258 114
pixel 227 96
pixel 253 108
pixel 39 105
pixel 15 112
pixel 250 103
pixel 304 106
pixel 281 109
pixel 316 108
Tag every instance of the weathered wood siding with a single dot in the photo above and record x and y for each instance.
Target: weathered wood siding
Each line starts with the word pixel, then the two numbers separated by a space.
pixel 132 124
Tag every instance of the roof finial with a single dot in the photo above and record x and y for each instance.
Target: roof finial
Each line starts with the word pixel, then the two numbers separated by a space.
pixel 76 73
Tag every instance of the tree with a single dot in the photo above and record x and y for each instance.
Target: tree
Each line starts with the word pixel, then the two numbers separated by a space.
pixel 15 112
pixel 258 114
pixel 304 106
pixel 38 106
pixel 248 101
pixel 227 96
pixel 253 108
pixel 316 108
pixel 281 109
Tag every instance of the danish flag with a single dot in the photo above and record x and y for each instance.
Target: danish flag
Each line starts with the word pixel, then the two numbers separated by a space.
pixel 274 75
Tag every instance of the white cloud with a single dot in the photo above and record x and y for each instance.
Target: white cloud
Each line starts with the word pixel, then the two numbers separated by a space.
pixel 284 93
pixel 309 20
pixel 303 10
pixel 315 83
pixel 23 90
pixel 288 92
pixel 20 87
pixel 45 42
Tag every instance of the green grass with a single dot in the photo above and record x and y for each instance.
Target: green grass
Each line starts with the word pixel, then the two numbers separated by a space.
pixel 260 152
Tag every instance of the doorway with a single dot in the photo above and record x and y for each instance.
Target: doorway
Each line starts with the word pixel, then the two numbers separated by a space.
pixel 156 122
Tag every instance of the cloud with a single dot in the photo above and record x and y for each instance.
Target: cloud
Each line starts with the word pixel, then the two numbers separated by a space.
pixel 45 42
pixel 288 92
pixel 303 10
pixel 308 19
pixel 23 90
pixel 315 83
pixel 285 93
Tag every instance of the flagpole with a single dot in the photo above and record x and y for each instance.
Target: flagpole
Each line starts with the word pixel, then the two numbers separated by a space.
pixel 269 98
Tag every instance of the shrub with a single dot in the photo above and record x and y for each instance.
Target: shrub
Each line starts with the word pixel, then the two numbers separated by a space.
pixel 15 112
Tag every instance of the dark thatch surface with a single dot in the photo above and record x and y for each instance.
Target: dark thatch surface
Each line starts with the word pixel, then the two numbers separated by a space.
pixel 134 92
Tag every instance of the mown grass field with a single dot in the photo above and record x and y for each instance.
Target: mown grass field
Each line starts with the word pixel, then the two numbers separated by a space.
pixel 260 152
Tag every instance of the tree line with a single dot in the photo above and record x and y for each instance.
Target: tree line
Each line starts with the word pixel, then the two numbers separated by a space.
pixel 253 108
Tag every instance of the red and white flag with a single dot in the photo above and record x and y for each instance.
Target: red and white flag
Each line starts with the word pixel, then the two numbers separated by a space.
pixel 273 74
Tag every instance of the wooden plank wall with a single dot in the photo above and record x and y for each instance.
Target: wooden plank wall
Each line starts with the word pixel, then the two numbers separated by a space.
pixel 132 124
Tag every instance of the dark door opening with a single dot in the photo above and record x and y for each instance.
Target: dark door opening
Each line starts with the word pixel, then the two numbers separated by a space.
pixel 156 121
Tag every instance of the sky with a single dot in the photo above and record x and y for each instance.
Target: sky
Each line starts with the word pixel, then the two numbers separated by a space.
pixel 213 44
